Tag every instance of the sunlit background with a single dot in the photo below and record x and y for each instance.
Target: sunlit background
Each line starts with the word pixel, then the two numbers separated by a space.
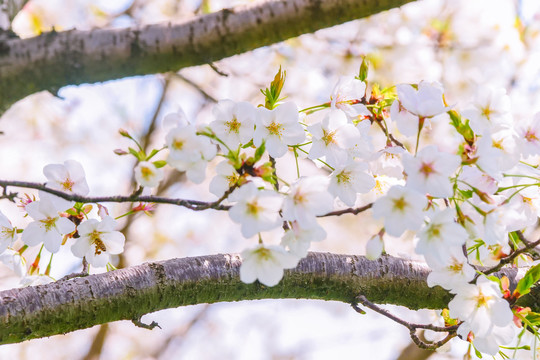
pixel 466 45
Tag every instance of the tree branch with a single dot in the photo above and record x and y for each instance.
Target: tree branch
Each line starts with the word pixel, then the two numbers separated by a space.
pixel 129 293
pixel 53 60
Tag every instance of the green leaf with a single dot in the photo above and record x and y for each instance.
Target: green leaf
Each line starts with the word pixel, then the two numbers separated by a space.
pixel 159 163
pixel 364 67
pixel 260 152
pixel 531 277
pixel 272 94
pixel 152 153
pixel 533 318
pixel 135 153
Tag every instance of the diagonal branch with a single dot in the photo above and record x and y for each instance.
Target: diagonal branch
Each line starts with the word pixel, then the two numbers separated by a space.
pixel 56 59
pixel 127 294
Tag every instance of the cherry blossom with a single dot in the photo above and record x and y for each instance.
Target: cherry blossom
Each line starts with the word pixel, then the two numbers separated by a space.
pixel 98 241
pixel 256 210
pixel 147 174
pixel 226 177
pixel 401 208
pixel 266 264
pixel 450 271
pixel 374 247
pixel 8 234
pixel 481 307
pixel 490 111
pixel 48 226
pixel 430 170
pixel 14 261
pixel 298 239
pixel 349 180
pixel 235 122
pixel 334 138
pixel 346 96
pixel 69 178
pixel 278 128
pixel 307 198
pixel 440 233
pixel 529 136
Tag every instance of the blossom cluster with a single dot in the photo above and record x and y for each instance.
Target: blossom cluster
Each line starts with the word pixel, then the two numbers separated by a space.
pixel 462 204
pixel 57 222
pixel 465 203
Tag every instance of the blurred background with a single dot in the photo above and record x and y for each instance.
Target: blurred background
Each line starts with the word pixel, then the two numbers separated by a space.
pixel 464 44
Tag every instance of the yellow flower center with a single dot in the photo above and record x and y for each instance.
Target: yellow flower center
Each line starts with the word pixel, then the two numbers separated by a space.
pixel 233 126
pixel 482 300
pixel 263 253
pixel 400 204
pixel 530 136
pixel 427 169
pixel 328 137
pixel 343 177
pixel 95 236
pixel 275 129
pixel 68 184
pixel 48 223
pixel 146 173
pixel 177 144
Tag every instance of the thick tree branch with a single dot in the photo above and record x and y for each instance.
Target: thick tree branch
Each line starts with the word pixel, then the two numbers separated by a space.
pixel 129 293
pixel 53 60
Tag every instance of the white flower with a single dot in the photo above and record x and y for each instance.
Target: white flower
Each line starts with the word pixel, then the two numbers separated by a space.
pixel 478 179
pixel 13 260
pixel 425 102
pixel 529 136
pixel 440 233
pixel 8 233
pixel 430 170
pixel 147 174
pixel 98 240
pixel 69 178
pixel 48 226
pixel 265 263
pixel 450 271
pixel 490 111
pixel 401 208
pixel 226 177
pixel 298 239
pixel 189 152
pixel 406 122
pixel 347 181
pixel 497 152
pixel 256 210
pixel 481 307
pixel 489 344
pixel 235 122
pixel 346 96
pixel 307 198
pixel 388 162
pixel 334 138
pixel 374 247
pixel 33 280
pixel 278 127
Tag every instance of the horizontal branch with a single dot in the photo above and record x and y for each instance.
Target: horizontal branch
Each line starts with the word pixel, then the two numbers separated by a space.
pixel 190 204
pixel 57 59
pixel 129 293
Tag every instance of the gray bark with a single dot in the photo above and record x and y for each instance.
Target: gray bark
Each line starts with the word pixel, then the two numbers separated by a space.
pixel 53 60
pixel 129 293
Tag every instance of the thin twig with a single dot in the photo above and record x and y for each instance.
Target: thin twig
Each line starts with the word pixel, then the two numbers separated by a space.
pixel 190 204
pixel 510 258
pixel 451 330
pixel 353 211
